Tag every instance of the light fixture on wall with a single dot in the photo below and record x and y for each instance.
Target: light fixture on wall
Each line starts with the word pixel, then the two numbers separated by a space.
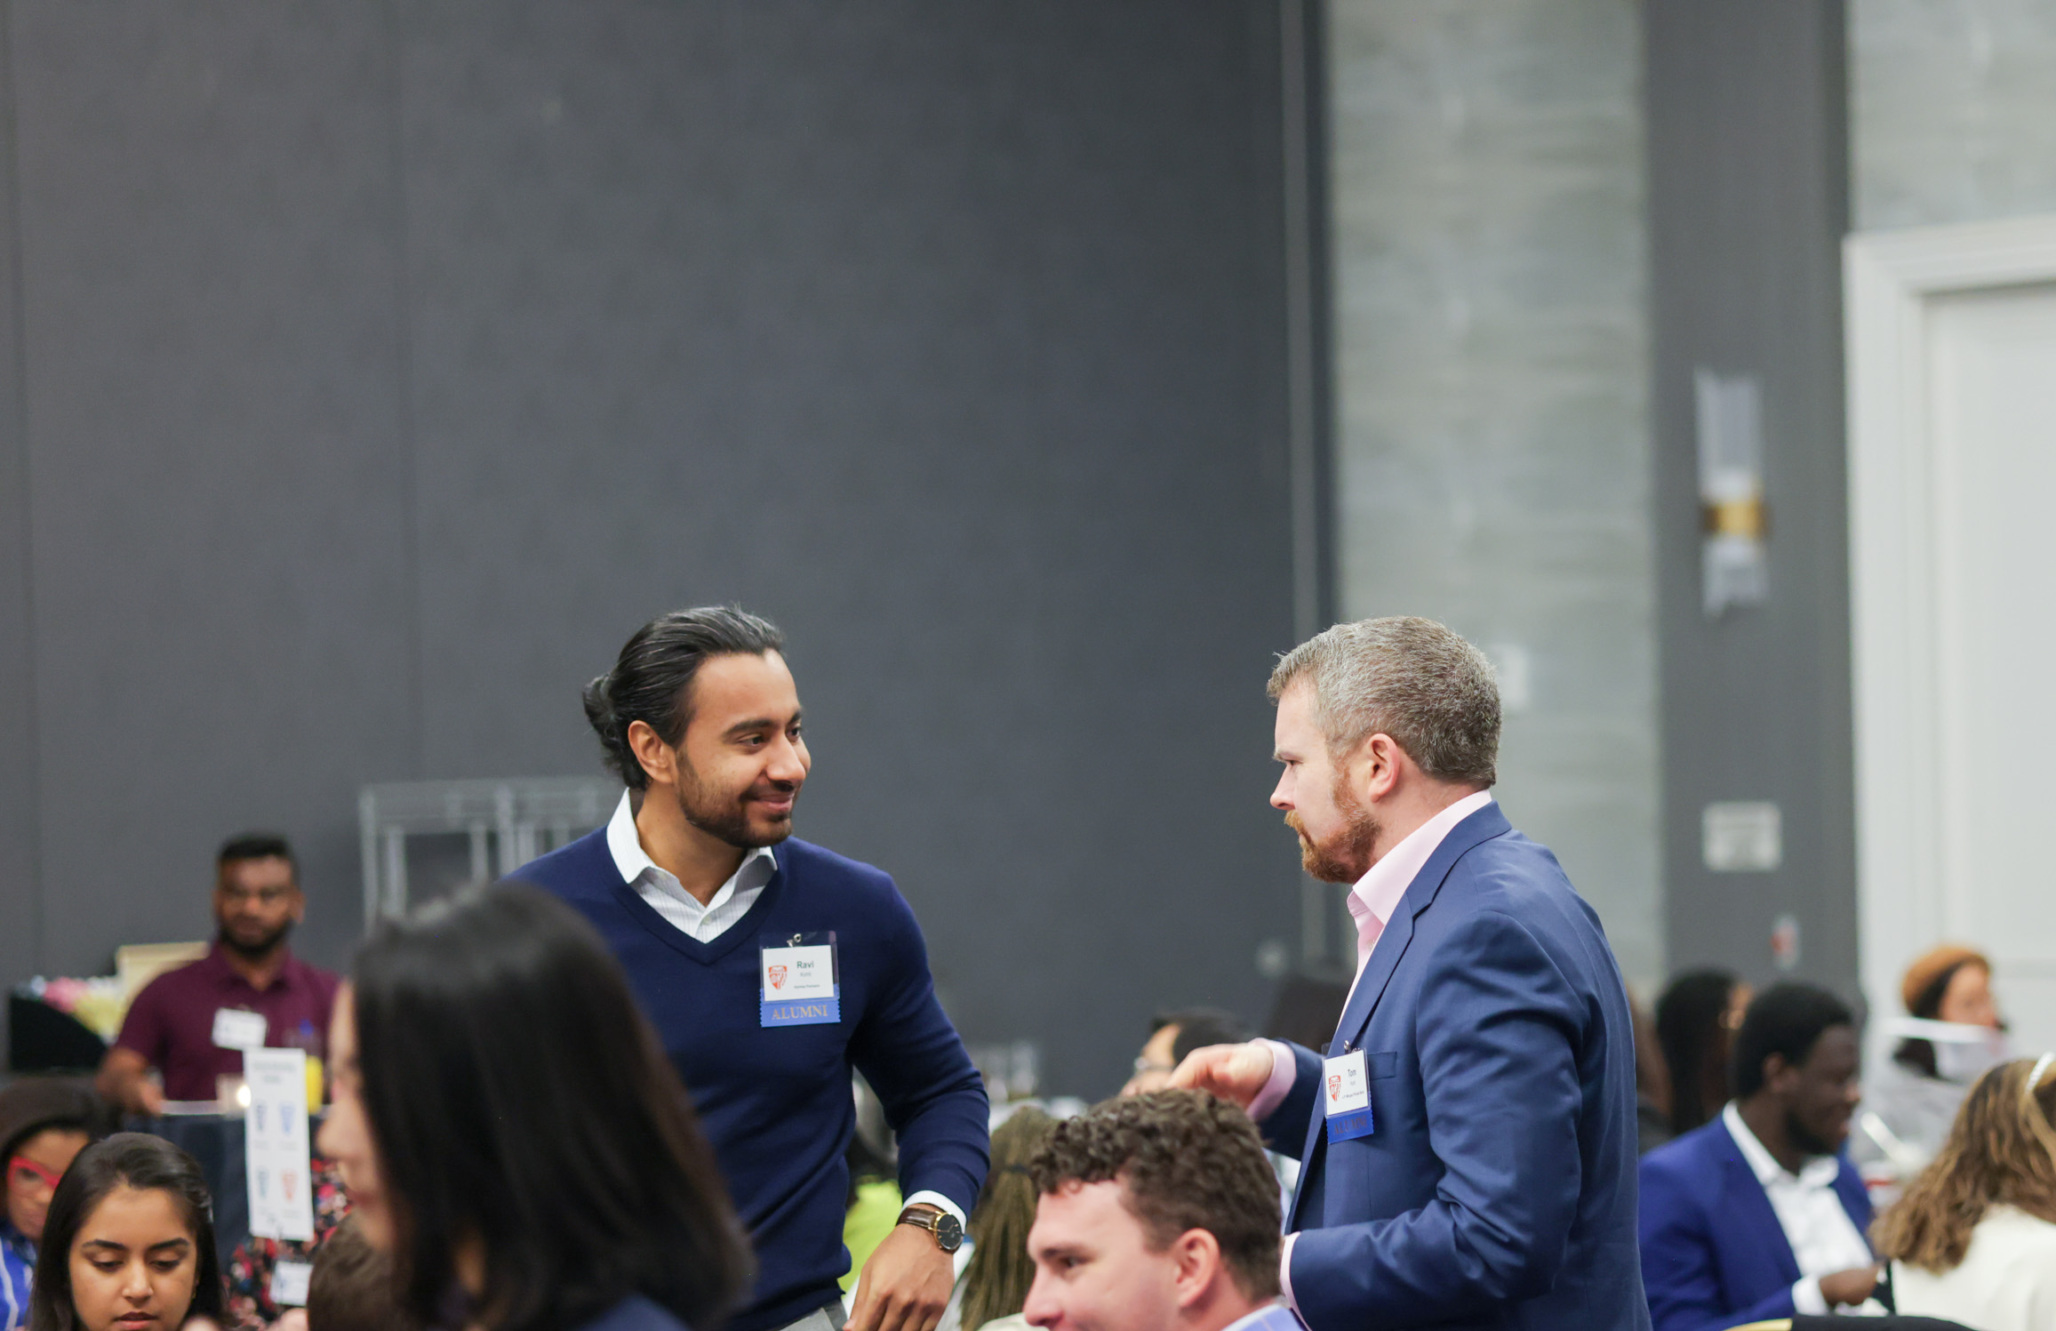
pixel 1734 521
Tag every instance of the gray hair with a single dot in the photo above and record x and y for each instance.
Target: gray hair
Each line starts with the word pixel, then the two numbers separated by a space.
pixel 1410 678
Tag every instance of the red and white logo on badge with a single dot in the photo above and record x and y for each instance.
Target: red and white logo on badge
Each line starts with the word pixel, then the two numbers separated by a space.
pixel 1335 1087
pixel 777 974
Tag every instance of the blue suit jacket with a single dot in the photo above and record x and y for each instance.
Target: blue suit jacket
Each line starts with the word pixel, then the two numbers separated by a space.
pixel 1713 1253
pixel 1498 1187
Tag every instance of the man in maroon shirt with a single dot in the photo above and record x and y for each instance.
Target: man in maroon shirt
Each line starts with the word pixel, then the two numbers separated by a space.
pixel 192 1024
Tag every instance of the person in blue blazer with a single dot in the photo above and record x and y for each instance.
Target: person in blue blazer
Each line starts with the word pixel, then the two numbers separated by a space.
pixel 1758 1214
pixel 1468 1140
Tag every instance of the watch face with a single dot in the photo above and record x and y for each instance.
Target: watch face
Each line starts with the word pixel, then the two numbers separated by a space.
pixel 949 1232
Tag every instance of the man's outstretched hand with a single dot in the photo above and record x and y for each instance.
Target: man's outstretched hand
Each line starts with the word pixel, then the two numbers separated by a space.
pixel 1235 1072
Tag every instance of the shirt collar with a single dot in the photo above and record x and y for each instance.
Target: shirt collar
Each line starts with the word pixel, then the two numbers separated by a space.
pixel 1819 1171
pixel 624 843
pixel 227 975
pixel 1269 1316
pixel 1378 892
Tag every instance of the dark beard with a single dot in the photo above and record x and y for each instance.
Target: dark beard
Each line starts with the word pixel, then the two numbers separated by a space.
pixel 729 822
pixel 1803 1138
pixel 1348 857
pixel 255 951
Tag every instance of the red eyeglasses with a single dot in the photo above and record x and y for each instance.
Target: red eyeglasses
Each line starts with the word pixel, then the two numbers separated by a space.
pixel 25 1173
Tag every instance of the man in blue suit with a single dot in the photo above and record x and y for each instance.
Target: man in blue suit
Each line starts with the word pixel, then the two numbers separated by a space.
pixel 1468 1142
pixel 1757 1214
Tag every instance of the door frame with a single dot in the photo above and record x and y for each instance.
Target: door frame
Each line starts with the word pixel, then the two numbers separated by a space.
pixel 1891 280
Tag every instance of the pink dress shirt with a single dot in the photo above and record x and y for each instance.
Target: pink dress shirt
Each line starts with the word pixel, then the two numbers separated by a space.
pixel 1371 903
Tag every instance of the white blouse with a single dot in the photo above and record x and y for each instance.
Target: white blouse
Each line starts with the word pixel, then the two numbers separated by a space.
pixel 2006 1281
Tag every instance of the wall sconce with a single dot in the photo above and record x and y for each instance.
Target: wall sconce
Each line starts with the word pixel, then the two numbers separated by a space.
pixel 1734 521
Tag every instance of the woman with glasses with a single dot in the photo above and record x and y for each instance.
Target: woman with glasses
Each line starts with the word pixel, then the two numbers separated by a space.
pixel 44 1124
pixel 511 1135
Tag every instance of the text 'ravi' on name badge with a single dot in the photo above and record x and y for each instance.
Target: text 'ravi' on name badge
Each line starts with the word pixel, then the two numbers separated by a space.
pixel 798 983
pixel 236 1029
pixel 1346 1091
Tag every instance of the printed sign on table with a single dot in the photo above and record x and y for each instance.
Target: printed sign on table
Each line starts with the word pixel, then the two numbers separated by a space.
pixel 276 1149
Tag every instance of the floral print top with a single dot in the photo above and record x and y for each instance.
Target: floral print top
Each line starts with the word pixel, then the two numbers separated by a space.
pixel 250 1266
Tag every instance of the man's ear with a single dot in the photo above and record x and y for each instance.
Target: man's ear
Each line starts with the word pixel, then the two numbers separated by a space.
pixel 1778 1074
pixel 1197 1254
pixel 1376 768
pixel 658 761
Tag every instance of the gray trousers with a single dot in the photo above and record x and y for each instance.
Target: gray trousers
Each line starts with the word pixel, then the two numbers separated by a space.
pixel 829 1318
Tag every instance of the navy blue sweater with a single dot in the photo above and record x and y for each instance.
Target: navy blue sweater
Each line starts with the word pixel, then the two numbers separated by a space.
pixel 776 1102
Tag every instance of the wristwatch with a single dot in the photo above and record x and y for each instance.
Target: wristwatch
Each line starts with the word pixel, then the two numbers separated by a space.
pixel 947 1229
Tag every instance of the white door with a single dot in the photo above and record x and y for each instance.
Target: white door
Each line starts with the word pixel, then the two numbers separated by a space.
pixel 1953 516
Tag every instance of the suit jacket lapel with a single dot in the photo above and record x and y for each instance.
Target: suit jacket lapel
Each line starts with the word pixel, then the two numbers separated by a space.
pixel 1480 827
pixel 1757 1216
pixel 1855 1199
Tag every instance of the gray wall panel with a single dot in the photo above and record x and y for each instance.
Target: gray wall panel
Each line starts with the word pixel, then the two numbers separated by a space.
pixel 222 631
pixel 1492 357
pixel 21 904
pixel 1952 111
pixel 1748 199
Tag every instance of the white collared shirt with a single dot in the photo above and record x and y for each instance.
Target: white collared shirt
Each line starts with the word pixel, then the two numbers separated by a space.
pixel 1824 1239
pixel 669 898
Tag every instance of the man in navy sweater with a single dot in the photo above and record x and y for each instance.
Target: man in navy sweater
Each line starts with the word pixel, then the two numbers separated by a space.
pixel 770 968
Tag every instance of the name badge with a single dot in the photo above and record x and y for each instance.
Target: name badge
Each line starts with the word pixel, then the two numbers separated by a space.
pixel 798 982
pixel 237 1029
pixel 1346 1090
pixel 289 1282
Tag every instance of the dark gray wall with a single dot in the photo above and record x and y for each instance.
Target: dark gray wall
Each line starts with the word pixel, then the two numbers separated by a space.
pixel 20 903
pixel 1748 200
pixel 385 365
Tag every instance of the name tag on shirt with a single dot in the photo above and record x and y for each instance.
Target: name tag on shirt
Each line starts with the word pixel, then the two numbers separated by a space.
pixel 1346 1091
pixel 237 1029
pixel 798 982
pixel 289 1281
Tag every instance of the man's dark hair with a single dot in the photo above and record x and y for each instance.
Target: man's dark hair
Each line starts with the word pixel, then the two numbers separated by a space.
pixel 255 846
pixel 652 679
pixel 1785 1019
pixel 580 1166
pixel 1186 1161
pixel 142 1162
pixel 351 1288
pixel 1199 1027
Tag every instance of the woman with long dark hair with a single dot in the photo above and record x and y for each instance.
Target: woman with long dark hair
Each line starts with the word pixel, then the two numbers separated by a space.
pixel 511 1135
pixel 129 1242
pixel 1696 1019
